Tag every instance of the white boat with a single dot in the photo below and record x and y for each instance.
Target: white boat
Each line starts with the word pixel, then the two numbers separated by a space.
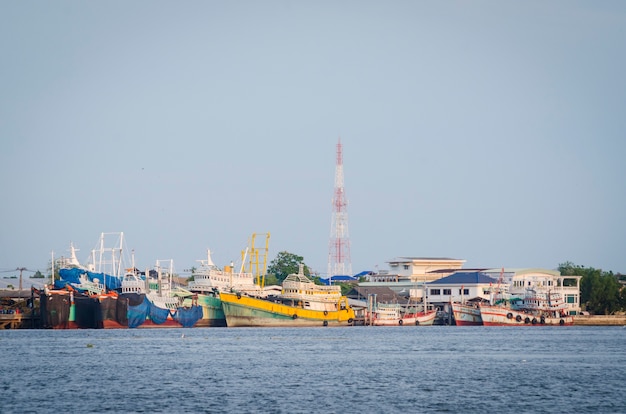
pixel 396 314
pixel 466 314
pixel 209 278
pixel 534 309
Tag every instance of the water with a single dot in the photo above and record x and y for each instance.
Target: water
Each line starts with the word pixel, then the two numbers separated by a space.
pixel 322 370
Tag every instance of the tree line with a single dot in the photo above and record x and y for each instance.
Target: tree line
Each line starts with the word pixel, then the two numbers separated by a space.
pixel 601 293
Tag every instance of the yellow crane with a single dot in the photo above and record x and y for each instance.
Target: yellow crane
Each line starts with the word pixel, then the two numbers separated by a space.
pixel 257 258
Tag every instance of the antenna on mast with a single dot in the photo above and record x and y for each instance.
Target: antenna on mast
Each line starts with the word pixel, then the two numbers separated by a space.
pixel 339 262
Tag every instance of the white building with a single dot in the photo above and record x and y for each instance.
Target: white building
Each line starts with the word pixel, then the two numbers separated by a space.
pixel 462 286
pixel 408 274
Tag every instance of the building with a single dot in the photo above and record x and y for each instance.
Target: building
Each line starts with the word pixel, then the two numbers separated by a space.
pixel 407 274
pixel 459 287
pixel 463 286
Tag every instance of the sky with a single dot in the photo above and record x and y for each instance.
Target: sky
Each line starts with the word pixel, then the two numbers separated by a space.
pixel 488 131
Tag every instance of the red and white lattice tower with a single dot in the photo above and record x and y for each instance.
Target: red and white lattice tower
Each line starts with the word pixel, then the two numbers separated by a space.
pixel 339 246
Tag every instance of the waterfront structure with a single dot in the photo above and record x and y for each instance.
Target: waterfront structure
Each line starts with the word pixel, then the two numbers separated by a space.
pixel 407 275
pixel 483 285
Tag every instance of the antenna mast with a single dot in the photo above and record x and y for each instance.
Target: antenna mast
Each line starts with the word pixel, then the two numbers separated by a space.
pixel 339 262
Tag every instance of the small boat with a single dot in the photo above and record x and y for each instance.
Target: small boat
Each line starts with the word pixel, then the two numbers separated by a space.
pixel 466 314
pixel 301 303
pixel 395 314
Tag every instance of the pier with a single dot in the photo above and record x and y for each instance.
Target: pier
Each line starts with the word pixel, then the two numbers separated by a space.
pixel 18 321
pixel 600 320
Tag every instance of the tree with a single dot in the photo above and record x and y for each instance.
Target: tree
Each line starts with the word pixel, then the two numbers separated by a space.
pixel 192 278
pixel 285 264
pixel 38 275
pixel 600 292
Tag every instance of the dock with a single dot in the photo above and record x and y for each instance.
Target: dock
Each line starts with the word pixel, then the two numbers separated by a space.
pixel 600 320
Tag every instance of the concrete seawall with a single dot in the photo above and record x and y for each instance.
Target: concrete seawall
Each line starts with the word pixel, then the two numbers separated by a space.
pixel 600 320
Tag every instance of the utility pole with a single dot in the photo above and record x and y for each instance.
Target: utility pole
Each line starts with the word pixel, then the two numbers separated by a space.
pixel 21 269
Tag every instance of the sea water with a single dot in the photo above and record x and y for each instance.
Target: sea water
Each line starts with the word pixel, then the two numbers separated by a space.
pixel 315 370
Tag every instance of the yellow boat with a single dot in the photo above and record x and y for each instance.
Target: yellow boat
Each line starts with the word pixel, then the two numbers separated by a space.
pixel 301 303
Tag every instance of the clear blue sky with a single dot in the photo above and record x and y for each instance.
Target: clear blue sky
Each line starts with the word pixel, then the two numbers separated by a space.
pixel 488 131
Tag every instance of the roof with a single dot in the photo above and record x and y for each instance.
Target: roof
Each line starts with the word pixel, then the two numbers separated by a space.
pixel 14 294
pixel 467 278
pixel 466 270
pixel 383 294
pixel 339 278
pixel 523 271
pixel 402 259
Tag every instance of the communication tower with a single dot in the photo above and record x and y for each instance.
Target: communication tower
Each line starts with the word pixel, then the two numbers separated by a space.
pixel 339 262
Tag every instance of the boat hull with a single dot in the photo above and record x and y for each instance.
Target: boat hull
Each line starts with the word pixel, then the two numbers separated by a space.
pixel 212 312
pixel 500 316
pixel 466 315
pixel 424 319
pixel 244 311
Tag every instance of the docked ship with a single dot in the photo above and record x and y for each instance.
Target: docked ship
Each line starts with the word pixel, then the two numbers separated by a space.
pixel 209 282
pixel 97 296
pixel 534 309
pixel 397 315
pixel 466 314
pixel 301 303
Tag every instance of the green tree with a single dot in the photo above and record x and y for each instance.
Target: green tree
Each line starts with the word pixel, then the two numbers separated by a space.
pixel 285 264
pixel 271 279
pixel 192 278
pixel 600 292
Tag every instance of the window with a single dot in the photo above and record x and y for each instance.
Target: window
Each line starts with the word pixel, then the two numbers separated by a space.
pixel 435 292
pixel 447 291
pixel 466 291
pixel 570 298
pixel 569 283
pixel 406 267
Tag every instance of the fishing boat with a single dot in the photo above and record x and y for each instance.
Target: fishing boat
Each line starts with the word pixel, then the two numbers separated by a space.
pixel 167 303
pixel 209 281
pixel 301 303
pixel 395 314
pixel 85 296
pixel 466 314
pixel 534 309
pixel 97 296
